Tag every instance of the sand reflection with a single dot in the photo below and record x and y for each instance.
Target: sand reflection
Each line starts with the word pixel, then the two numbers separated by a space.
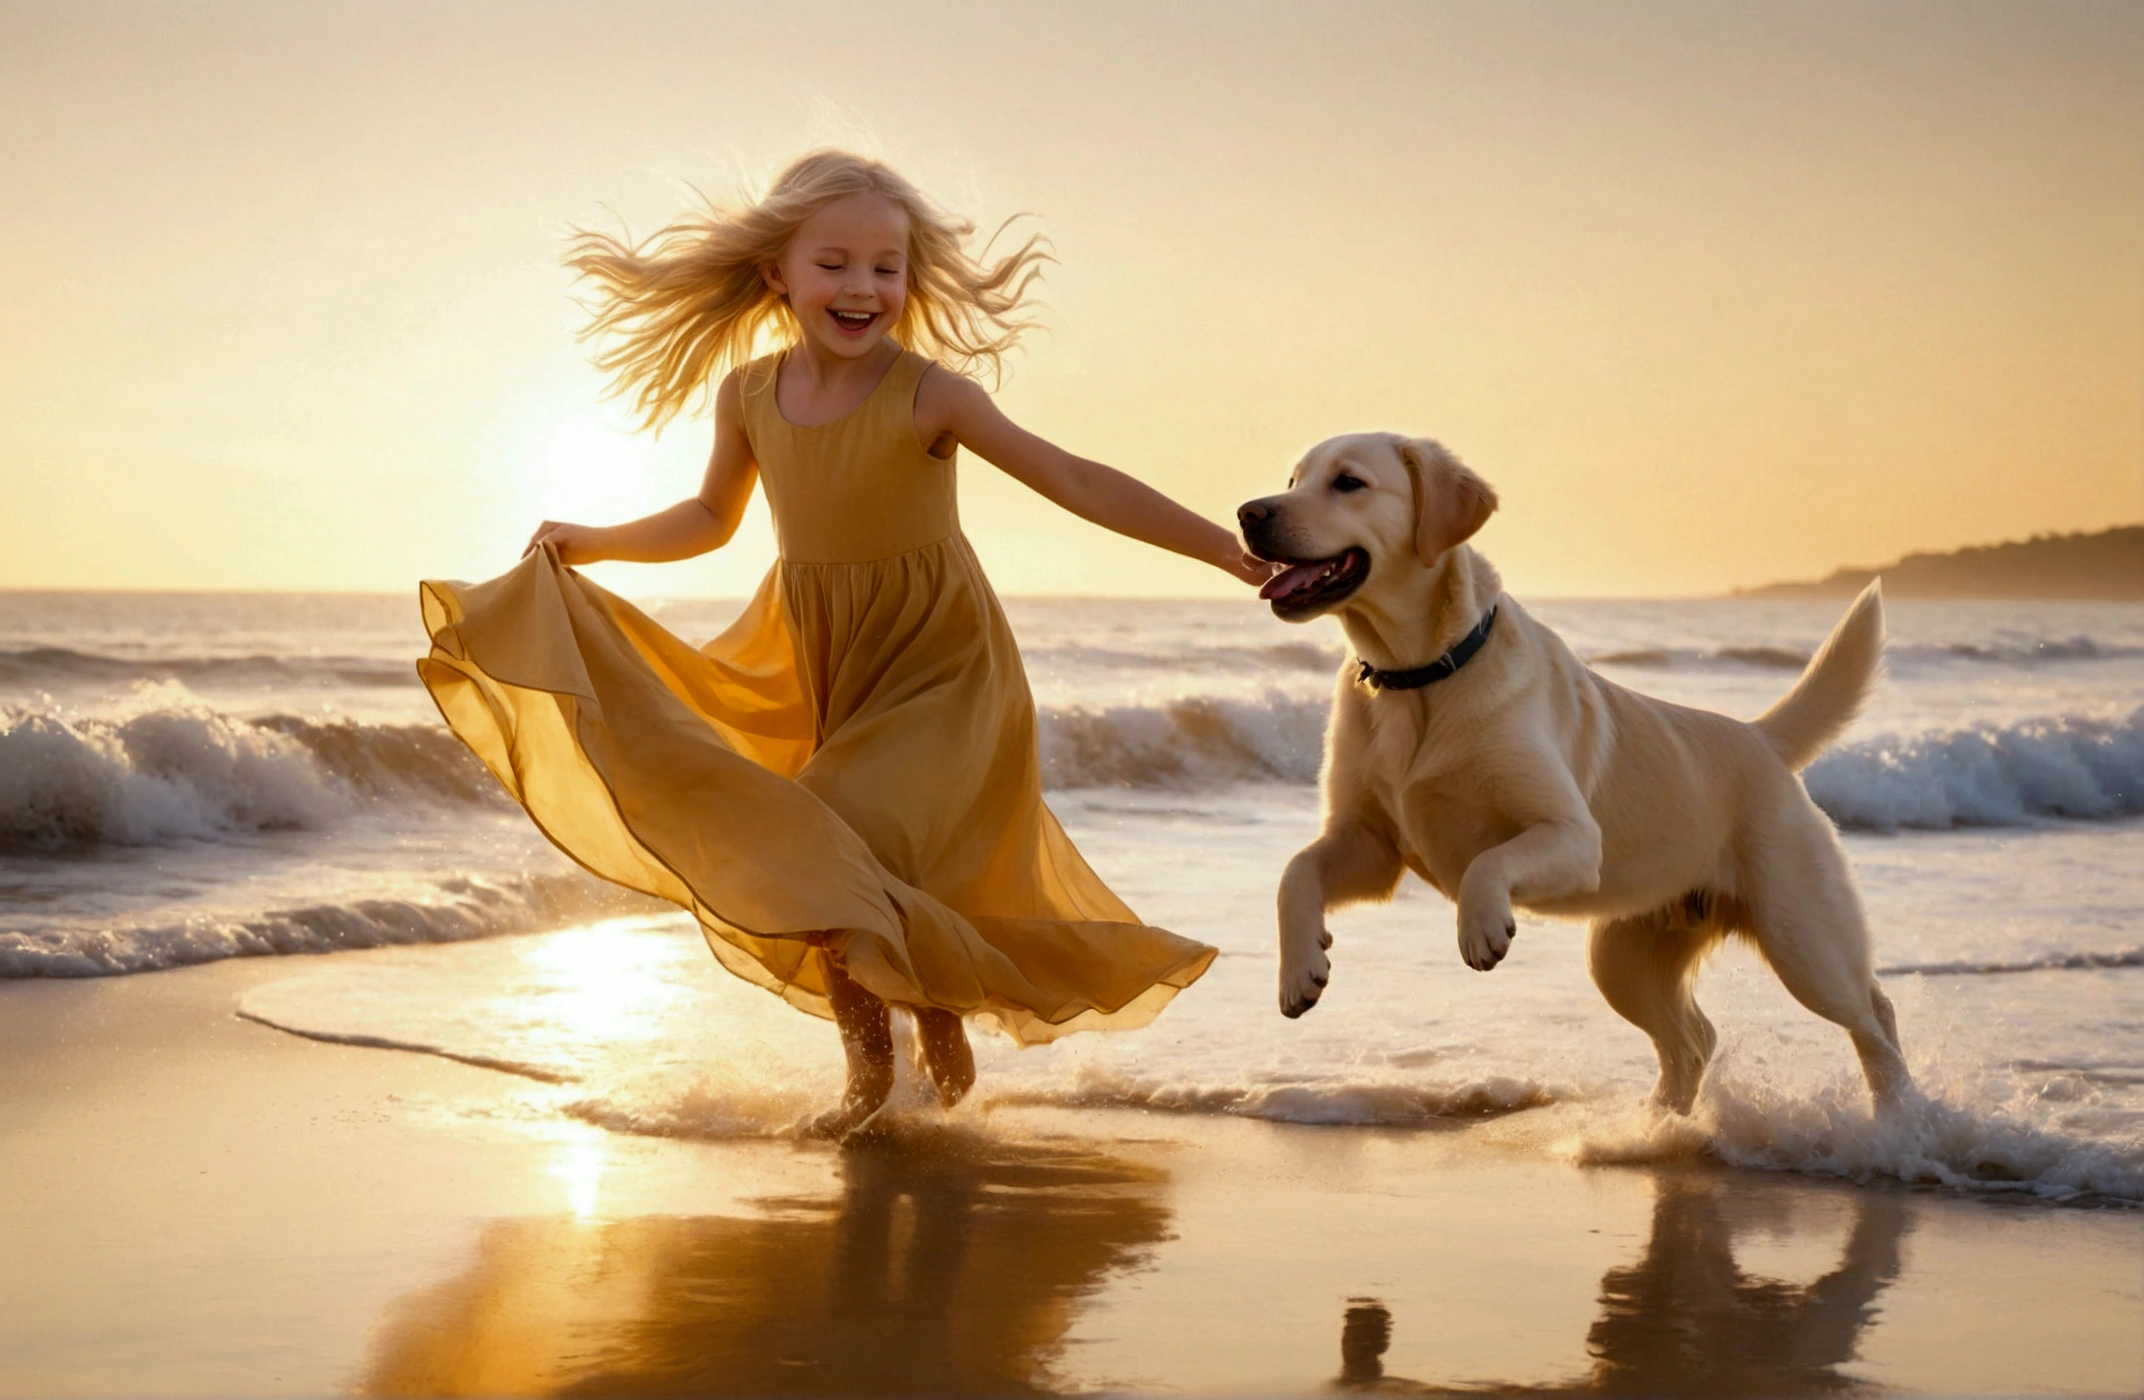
pixel 946 1264
pixel 1685 1319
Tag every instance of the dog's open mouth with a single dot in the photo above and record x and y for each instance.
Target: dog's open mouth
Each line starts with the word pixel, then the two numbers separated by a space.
pixel 1307 586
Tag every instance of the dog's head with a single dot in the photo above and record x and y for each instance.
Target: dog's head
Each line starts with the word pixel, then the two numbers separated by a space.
pixel 1359 507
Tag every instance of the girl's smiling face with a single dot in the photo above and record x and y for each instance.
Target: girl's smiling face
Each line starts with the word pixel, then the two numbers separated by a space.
pixel 845 273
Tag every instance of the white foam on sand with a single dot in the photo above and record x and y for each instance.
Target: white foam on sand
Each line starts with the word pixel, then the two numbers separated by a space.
pixel 1357 1095
pixel 1831 1130
pixel 642 1033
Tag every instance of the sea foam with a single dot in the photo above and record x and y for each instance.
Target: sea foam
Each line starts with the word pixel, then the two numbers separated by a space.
pixel 177 770
pixel 1192 741
pixel 1355 1096
pixel 184 771
pixel 458 909
pixel 1973 1146
pixel 2010 775
pixel 2023 774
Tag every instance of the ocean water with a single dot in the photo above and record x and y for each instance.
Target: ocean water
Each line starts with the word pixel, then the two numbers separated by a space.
pixel 185 778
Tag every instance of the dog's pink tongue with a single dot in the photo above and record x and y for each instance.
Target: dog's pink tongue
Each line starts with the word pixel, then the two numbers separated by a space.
pixel 1288 580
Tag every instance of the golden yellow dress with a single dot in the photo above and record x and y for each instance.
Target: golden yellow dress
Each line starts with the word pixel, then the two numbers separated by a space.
pixel 852 763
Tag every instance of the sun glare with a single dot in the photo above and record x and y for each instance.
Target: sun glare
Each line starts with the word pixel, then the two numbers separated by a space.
pixel 577 463
pixel 607 982
pixel 580 1164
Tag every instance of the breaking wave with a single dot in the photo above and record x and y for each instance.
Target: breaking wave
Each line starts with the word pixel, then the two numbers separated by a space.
pixel 464 909
pixel 1196 741
pixel 2013 775
pixel 2067 767
pixel 187 772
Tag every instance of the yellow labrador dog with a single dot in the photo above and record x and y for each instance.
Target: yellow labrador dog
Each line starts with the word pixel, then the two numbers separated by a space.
pixel 1470 746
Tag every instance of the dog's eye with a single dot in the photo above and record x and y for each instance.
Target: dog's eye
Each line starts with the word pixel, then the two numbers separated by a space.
pixel 1344 482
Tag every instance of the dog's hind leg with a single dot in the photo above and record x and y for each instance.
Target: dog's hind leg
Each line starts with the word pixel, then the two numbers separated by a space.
pixel 1646 966
pixel 1807 920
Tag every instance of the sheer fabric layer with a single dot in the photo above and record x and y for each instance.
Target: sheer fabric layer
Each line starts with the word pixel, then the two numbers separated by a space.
pixel 852 764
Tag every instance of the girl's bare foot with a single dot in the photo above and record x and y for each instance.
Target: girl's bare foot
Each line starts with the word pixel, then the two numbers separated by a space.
pixel 946 1053
pixel 867 1042
pixel 865 1096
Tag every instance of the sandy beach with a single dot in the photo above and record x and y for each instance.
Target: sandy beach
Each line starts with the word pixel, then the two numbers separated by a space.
pixel 197 1204
pixel 377 1025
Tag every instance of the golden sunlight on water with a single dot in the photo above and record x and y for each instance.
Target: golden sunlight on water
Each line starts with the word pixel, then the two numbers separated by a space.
pixel 945 1264
pixel 596 985
pixel 948 1260
pixel 580 1162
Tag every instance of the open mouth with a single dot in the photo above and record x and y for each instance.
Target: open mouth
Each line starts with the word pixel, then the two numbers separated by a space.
pixel 853 322
pixel 1309 585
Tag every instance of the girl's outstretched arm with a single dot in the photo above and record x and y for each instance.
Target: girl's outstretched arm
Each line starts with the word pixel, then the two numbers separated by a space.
pixel 690 527
pixel 953 410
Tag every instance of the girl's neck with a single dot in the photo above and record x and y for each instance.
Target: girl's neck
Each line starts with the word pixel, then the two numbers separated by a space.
pixel 826 372
pixel 815 388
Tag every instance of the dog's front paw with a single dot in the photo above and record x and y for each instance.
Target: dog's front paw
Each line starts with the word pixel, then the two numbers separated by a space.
pixel 1303 976
pixel 1485 933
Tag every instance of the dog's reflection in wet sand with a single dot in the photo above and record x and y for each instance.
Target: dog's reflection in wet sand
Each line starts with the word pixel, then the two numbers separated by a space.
pixel 1686 1320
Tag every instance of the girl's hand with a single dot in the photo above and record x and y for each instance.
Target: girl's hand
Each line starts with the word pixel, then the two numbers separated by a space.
pixel 576 544
pixel 1251 569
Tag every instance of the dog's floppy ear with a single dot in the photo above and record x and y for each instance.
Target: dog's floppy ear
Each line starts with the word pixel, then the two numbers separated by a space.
pixel 1450 502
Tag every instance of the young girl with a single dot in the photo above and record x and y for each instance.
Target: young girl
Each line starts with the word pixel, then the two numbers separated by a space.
pixel 843 787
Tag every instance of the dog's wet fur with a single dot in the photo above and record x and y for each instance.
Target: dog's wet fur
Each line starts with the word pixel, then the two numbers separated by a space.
pixel 1525 780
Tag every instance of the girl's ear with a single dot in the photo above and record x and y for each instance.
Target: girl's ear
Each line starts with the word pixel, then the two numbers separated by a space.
pixel 1450 501
pixel 771 274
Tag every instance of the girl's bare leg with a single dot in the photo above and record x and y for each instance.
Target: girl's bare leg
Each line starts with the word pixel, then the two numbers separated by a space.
pixel 867 1041
pixel 946 1053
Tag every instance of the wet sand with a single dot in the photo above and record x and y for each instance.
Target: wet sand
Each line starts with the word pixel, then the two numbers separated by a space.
pixel 195 1204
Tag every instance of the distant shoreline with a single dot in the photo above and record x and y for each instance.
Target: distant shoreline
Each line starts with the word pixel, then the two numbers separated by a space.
pixel 2107 565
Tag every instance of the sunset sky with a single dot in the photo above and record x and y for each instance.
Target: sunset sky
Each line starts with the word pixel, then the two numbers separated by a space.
pixel 1714 293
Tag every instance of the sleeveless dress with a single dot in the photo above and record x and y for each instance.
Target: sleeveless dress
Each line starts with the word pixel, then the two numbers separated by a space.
pixel 852 764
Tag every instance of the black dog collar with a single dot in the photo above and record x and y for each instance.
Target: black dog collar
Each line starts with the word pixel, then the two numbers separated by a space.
pixel 1435 671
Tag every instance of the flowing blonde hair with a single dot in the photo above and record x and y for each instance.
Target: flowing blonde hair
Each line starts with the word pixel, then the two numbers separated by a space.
pixel 690 300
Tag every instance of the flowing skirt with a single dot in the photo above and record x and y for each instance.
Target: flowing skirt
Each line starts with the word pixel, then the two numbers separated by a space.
pixel 852 765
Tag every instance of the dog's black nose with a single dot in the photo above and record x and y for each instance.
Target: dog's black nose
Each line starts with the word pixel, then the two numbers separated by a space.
pixel 1253 513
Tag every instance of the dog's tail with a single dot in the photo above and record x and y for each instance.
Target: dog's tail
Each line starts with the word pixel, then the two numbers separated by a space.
pixel 1835 686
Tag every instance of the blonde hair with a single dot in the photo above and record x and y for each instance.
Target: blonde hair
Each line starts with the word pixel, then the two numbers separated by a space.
pixel 690 300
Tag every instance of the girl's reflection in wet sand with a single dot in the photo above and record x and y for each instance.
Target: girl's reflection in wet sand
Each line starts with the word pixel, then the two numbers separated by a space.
pixel 948 1263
